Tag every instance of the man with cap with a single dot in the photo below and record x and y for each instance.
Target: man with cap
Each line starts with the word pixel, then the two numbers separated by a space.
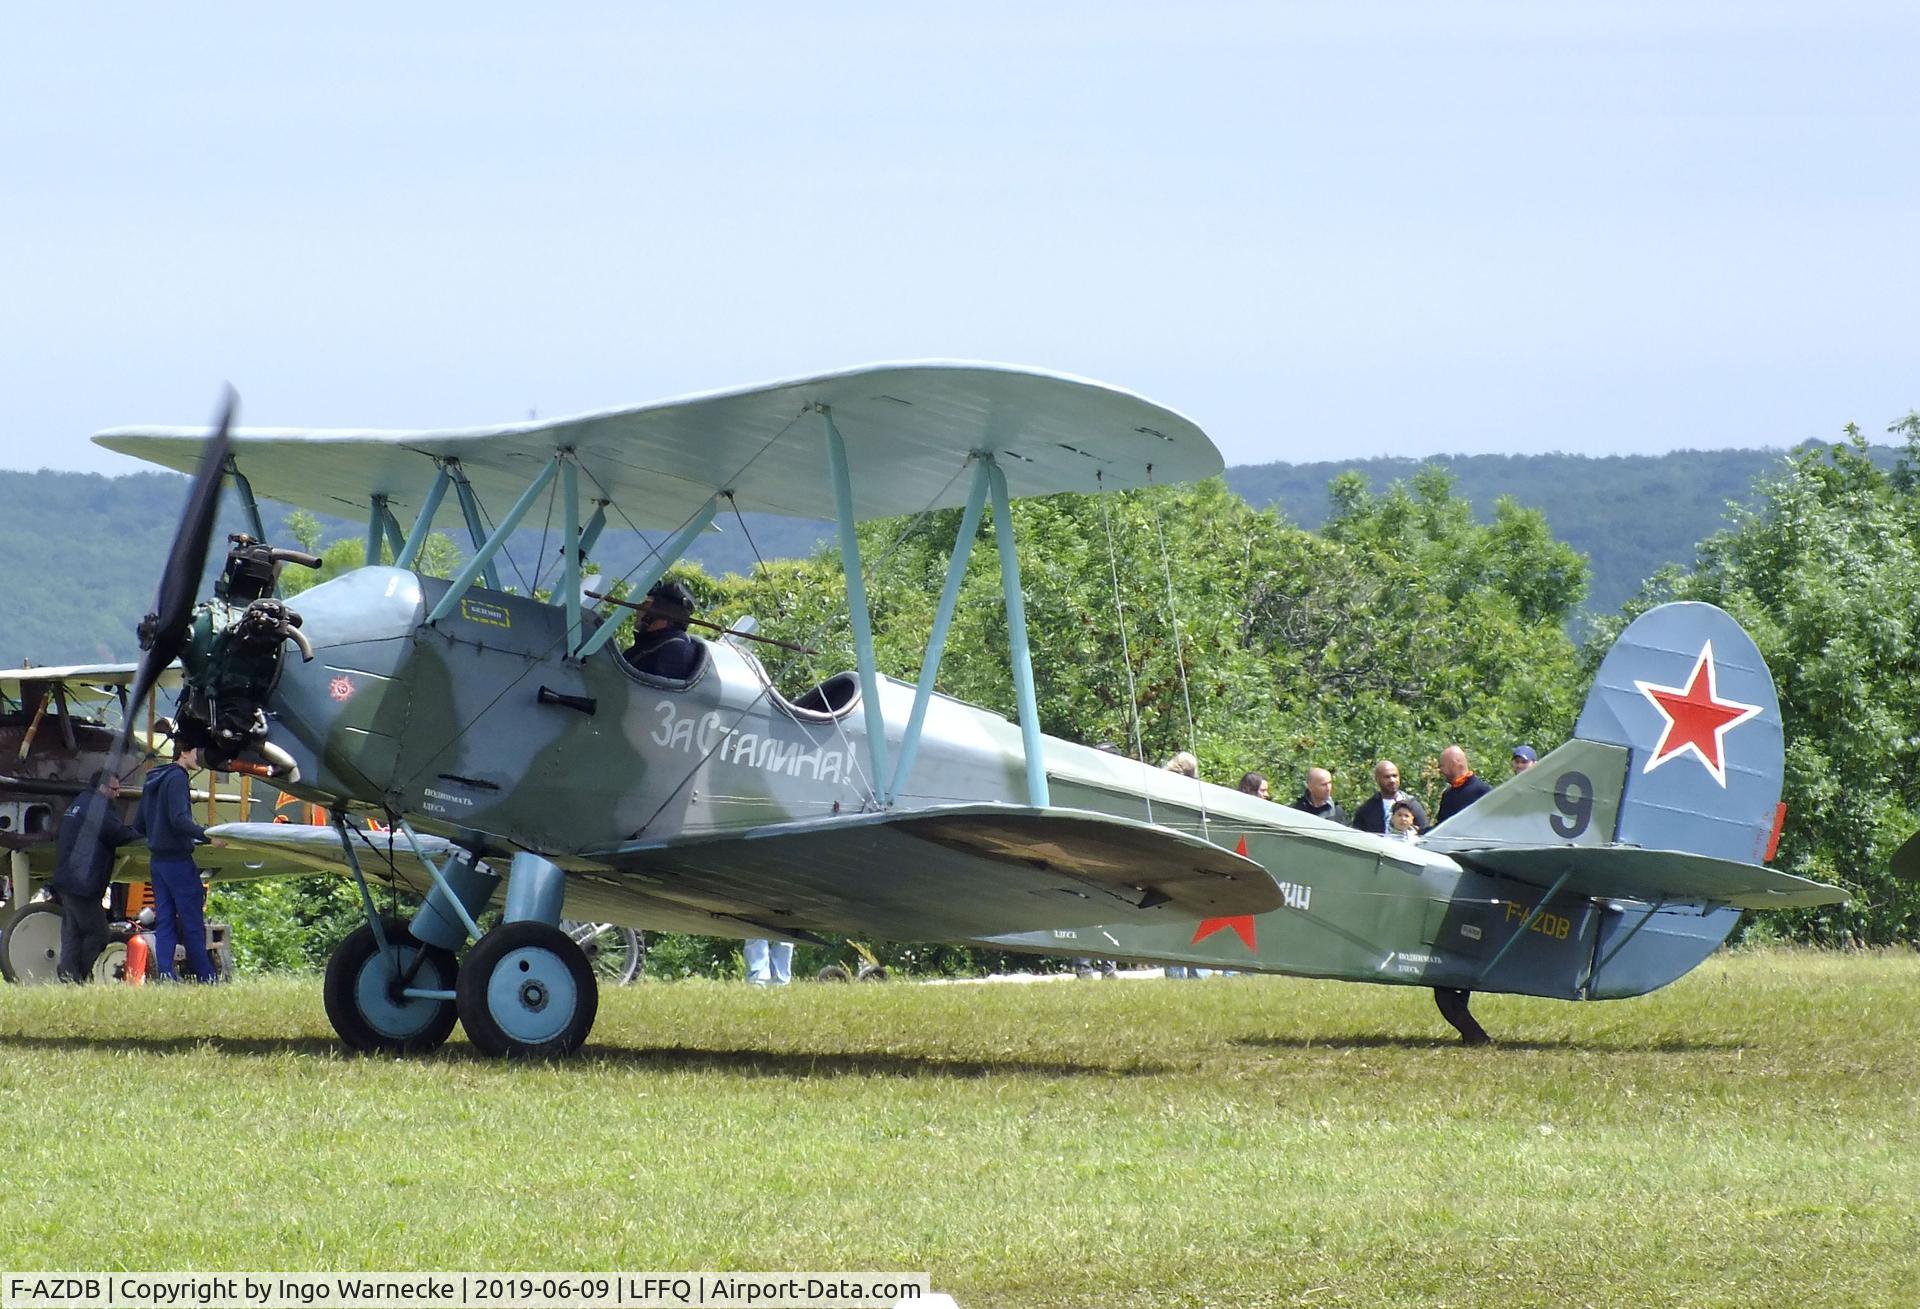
pixel 179 896
pixel 662 648
pixel 90 831
pixel 1523 758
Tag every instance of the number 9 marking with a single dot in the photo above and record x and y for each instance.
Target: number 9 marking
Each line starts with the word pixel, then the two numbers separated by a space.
pixel 1573 797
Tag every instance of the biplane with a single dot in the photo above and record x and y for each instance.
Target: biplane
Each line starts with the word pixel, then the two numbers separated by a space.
pixel 516 756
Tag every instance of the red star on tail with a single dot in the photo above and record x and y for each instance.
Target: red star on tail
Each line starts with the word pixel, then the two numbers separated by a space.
pixel 1697 718
pixel 1242 926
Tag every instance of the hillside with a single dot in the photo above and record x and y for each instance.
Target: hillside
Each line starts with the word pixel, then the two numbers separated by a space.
pixel 83 551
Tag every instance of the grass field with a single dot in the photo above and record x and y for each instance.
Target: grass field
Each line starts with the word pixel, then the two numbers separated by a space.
pixel 1749 1136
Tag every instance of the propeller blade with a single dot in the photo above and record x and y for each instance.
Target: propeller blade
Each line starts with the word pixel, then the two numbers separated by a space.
pixel 180 580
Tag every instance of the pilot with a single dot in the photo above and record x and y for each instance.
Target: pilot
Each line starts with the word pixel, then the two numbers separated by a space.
pixel 663 648
pixel 90 831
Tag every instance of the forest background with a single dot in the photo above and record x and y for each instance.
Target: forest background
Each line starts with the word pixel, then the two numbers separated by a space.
pixel 1281 617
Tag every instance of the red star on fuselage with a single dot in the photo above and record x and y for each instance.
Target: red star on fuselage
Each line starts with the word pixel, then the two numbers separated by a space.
pixel 1241 925
pixel 1697 718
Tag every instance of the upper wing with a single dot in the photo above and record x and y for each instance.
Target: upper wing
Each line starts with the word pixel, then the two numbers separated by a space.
pixel 1629 872
pixel 83 682
pixel 908 429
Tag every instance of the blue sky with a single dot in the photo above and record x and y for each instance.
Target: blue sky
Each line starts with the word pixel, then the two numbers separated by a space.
pixel 1320 229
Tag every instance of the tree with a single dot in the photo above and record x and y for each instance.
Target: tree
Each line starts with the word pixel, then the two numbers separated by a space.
pixel 1825 573
pixel 1406 627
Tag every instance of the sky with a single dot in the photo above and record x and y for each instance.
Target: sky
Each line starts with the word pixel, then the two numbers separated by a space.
pixel 1322 230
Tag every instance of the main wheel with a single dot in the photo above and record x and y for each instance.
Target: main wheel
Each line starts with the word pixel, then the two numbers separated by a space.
pixel 363 997
pixel 30 947
pixel 527 992
pixel 616 953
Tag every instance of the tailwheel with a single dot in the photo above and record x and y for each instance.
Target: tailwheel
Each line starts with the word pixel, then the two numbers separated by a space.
pixel 30 948
pixel 364 991
pixel 527 991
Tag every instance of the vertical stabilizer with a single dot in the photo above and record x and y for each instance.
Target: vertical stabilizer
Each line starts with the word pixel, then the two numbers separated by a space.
pixel 1686 692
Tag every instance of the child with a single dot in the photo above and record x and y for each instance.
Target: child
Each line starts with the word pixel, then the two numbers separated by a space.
pixel 1401 824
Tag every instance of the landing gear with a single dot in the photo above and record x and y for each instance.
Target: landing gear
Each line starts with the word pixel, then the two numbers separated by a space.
pixel 30 948
pixel 364 992
pixel 1453 1007
pixel 527 991
pixel 616 953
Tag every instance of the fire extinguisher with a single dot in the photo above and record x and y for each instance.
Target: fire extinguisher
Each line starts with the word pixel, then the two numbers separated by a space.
pixel 140 949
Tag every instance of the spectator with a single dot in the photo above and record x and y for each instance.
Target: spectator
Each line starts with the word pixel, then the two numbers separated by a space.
pixel 1403 824
pixel 1184 764
pixel 1255 784
pixel 1523 758
pixel 1463 788
pixel 1374 812
pixel 769 963
pixel 1318 799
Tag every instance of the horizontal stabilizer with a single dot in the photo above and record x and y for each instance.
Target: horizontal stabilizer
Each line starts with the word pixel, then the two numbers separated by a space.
pixel 1631 873
pixel 953 871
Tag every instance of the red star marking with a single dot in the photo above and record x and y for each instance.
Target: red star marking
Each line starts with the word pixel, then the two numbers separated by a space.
pixel 1242 926
pixel 1697 718
pixel 340 688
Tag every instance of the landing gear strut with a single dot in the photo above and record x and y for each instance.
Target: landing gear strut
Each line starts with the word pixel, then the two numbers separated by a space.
pixel 1453 1007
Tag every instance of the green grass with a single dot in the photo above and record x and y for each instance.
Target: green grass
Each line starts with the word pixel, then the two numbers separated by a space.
pixel 1749 1136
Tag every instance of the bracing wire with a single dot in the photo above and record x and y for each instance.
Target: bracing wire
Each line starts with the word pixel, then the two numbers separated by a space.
pixel 1126 654
pixel 1180 661
pixel 818 631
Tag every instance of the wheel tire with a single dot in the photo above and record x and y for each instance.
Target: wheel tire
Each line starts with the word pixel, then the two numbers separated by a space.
pixel 526 991
pixel 110 969
pixel 873 973
pixel 30 947
pixel 833 973
pixel 362 1009
pixel 616 953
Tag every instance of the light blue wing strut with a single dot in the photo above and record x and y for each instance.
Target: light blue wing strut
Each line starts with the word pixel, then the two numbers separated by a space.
pixel 1030 738
pixel 570 547
pixel 423 522
pixel 484 555
pixel 857 601
pixel 942 621
pixel 470 510
pixel 252 506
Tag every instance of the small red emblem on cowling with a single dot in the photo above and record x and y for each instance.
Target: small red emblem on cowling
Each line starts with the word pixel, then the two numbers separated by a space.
pixel 340 688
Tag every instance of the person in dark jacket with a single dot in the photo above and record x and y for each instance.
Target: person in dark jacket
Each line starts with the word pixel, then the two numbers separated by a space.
pixel 1376 811
pixel 1318 799
pixel 90 831
pixel 663 648
pixel 1463 788
pixel 179 897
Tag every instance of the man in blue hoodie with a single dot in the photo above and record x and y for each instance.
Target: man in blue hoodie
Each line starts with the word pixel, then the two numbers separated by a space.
pixel 179 897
